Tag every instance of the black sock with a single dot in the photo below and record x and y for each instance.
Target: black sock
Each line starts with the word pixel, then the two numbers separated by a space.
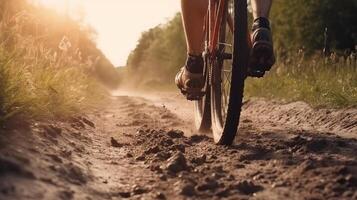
pixel 194 64
pixel 261 22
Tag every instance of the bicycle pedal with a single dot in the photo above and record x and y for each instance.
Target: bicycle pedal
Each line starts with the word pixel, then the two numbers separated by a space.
pixel 193 95
pixel 225 56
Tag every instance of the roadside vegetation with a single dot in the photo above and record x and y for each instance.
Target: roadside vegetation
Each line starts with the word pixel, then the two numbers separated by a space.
pixel 160 52
pixel 302 72
pixel 49 64
pixel 319 81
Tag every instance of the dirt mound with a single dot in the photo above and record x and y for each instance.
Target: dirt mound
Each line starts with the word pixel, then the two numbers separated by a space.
pixel 301 115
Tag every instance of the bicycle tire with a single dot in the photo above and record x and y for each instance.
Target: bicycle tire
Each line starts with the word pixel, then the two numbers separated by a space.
pixel 202 107
pixel 225 125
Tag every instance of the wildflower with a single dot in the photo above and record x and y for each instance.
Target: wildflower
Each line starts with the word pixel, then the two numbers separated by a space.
pixel 65 44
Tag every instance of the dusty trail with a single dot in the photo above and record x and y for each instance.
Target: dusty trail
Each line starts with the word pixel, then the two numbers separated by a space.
pixel 136 149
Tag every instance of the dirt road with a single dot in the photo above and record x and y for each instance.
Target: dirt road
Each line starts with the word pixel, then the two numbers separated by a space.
pixel 145 147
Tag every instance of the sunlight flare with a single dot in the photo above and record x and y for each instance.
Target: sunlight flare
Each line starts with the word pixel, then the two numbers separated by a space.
pixel 118 23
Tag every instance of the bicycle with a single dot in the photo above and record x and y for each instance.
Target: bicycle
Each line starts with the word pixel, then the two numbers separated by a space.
pixel 226 57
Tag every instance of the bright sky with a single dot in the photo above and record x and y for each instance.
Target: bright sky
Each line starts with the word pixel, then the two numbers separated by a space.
pixel 119 23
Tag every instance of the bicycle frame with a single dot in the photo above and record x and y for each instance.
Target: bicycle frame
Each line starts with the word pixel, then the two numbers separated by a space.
pixel 214 18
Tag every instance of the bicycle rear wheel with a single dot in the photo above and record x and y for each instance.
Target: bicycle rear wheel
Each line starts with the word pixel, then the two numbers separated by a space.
pixel 229 70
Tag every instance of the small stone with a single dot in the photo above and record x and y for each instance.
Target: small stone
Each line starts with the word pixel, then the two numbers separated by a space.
pixel 306 165
pixel 52 131
pixel 55 158
pixel 223 193
pixel 351 180
pixel 115 143
pixel 198 138
pixel 138 190
pixel 175 134
pixel 177 163
pixel 156 168
pixel 114 162
pixel 231 178
pixel 199 160
pixel 188 190
pixel 65 194
pixel 124 194
pixel 54 167
pixel 210 184
pixel 47 180
pixel 75 174
pixel 88 122
pixel 279 184
pixel 240 166
pixel 212 157
pixel 217 175
pixel 160 195
pixel 66 153
pixel 247 121
pixel 180 147
pixel 258 177
pixel 347 194
pixel 163 177
pixel 129 155
pixel 152 150
pixel 219 169
pixel 140 158
pixel 248 187
pixel 77 123
pixel 163 155
pixel 167 142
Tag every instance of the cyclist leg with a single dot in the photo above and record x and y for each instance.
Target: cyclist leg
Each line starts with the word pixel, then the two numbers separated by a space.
pixel 261 8
pixel 262 54
pixel 190 78
pixel 193 14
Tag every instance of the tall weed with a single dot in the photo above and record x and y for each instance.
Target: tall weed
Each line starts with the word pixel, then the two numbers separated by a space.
pixel 41 82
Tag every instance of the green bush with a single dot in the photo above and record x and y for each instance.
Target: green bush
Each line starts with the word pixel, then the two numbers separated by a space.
pixel 161 51
pixel 301 24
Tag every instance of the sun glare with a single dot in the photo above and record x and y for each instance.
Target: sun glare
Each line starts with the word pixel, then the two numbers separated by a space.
pixel 119 23
pixel 61 6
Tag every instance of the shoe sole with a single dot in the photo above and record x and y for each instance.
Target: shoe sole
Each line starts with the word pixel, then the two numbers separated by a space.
pixel 192 94
pixel 261 58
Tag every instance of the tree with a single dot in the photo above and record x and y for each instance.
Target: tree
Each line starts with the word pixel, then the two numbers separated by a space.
pixel 301 23
pixel 160 50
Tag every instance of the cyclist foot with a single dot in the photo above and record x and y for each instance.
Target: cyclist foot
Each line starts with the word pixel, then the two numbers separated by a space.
pixel 190 78
pixel 262 56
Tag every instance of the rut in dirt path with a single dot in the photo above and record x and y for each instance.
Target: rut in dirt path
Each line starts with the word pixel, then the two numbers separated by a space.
pixel 136 149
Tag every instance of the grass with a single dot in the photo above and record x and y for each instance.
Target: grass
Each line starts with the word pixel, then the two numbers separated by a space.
pixel 317 80
pixel 38 82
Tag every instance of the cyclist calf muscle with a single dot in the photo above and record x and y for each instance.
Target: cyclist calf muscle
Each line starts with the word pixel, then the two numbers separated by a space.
pixel 193 14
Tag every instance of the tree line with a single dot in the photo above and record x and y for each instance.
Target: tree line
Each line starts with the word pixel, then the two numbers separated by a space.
pixel 296 24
